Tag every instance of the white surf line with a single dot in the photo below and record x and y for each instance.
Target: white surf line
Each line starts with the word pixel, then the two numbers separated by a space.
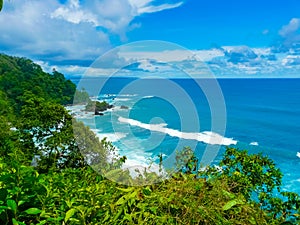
pixel 207 137
pixel 254 143
pixel 149 96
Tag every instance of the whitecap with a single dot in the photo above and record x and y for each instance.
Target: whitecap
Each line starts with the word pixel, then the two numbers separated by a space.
pixel 75 108
pixel 149 96
pixel 137 162
pixel 94 98
pixel 254 143
pixel 122 99
pixel 207 137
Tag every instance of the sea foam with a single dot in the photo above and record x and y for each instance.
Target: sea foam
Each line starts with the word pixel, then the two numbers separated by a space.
pixel 254 143
pixel 122 99
pixel 112 137
pixel 207 137
pixel 137 161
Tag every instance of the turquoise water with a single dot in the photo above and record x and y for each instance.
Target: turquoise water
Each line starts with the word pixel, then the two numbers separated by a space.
pixel 262 115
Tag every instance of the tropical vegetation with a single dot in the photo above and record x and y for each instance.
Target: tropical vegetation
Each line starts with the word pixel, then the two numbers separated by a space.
pixel 44 178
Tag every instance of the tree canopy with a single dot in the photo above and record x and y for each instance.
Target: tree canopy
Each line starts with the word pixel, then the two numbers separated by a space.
pixel 21 75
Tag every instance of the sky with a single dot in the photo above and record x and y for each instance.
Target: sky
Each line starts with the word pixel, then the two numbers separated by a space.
pixel 232 38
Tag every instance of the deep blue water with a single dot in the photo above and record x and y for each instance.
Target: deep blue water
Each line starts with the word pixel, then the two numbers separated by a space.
pixel 262 115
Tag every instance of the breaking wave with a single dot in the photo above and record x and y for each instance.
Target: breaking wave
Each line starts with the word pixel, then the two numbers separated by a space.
pixel 207 137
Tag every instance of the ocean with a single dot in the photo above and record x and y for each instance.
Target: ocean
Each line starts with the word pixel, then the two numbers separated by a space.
pixel 160 116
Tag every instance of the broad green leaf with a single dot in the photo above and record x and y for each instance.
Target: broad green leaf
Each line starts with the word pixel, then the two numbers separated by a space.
pixel 228 194
pixel 107 216
pixel 33 211
pixel 122 200
pixel 69 214
pixel 12 205
pixel 42 222
pixel 126 190
pixel 126 197
pixel 230 204
pixel 69 203
pixel 21 202
pixel 1 4
pixel 118 214
pixel 15 222
pixel 153 209
pixel 252 221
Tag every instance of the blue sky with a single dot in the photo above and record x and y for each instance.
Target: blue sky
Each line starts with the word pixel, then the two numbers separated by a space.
pixel 233 38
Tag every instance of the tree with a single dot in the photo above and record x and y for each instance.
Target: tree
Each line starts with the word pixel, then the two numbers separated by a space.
pixel 18 75
pixel 48 126
pixel 256 177
pixel 81 96
pixel 8 133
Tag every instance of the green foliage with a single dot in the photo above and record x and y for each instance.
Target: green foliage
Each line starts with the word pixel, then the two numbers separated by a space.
pixel 58 139
pixel 256 177
pixel 63 189
pixel 5 118
pixel 250 173
pixel 82 196
pixel 18 189
pixel 186 161
pixel 20 75
pixel 95 150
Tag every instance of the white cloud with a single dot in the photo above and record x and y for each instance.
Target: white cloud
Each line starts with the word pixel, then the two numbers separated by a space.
pixel 74 31
pixel 172 55
pixel 72 13
pixel 33 33
pixel 152 8
pixel 291 60
pixel 290 28
pixel 147 6
pixel 114 15
pixel 290 38
pixel 241 61
pixel 70 36
pixel 265 32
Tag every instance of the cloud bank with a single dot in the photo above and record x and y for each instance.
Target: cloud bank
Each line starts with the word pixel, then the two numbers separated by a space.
pixel 71 34
pixel 74 32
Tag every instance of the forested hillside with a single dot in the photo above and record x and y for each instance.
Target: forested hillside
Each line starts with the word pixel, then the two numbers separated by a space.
pixel 20 75
pixel 44 178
